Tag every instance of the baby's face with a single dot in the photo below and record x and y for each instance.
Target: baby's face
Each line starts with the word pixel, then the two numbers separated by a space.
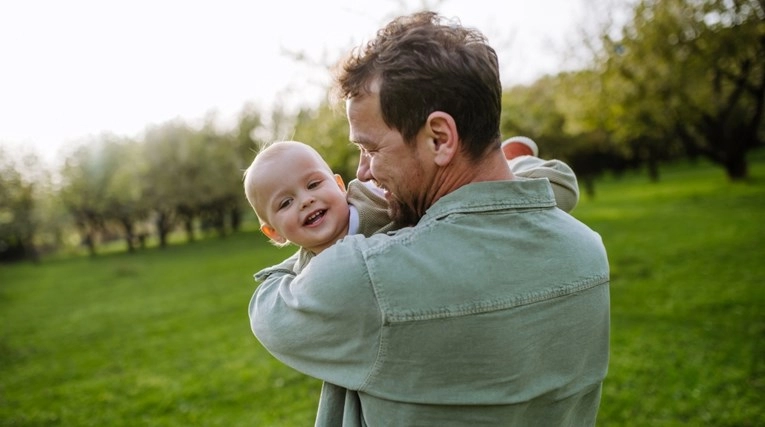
pixel 301 200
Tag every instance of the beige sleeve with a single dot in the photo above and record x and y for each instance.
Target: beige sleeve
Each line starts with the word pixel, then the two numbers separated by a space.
pixel 561 176
pixel 372 208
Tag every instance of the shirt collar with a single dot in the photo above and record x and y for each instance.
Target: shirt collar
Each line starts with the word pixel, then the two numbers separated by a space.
pixel 518 193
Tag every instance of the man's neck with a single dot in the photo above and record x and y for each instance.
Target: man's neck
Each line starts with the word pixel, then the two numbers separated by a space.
pixel 462 171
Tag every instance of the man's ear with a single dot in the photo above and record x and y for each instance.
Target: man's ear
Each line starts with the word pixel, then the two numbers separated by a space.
pixel 443 135
pixel 340 183
pixel 272 234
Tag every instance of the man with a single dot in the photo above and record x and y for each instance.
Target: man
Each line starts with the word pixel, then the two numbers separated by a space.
pixel 492 308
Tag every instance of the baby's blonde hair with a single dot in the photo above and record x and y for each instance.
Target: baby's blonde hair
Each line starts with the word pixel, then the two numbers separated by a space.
pixel 248 178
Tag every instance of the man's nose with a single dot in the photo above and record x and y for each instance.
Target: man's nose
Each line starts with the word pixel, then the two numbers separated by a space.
pixel 362 172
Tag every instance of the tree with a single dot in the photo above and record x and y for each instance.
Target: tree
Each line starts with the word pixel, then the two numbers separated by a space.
pixel 124 202
pixel 533 111
pixel 170 175
pixel 21 180
pixel 246 144
pixel 221 176
pixel 102 188
pixel 195 175
pixel 560 114
pixel 84 183
pixel 690 74
pixel 325 129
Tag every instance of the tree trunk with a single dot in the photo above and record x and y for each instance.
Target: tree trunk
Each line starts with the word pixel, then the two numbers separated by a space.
pixel 653 168
pixel 129 236
pixel 220 221
pixel 163 228
pixel 736 168
pixel 236 219
pixel 31 252
pixel 90 244
pixel 589 186
pixel 189 226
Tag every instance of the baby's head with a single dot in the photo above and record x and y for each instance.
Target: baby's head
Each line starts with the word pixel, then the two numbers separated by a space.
pixel 296 196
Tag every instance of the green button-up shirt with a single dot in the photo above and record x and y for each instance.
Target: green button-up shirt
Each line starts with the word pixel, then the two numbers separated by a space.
pixel 492 310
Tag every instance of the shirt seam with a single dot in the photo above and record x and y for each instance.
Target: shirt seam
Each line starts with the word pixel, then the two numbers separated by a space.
pixel 495 305
pixel 381 347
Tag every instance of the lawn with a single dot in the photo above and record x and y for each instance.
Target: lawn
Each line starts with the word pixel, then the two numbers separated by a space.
pixel 161 337
pixel 687 258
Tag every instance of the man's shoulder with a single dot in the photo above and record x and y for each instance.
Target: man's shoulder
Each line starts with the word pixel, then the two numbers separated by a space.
pixel 357 247
pixel 361 244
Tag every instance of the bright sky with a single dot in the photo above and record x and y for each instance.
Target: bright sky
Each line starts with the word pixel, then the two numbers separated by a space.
pixel 78 67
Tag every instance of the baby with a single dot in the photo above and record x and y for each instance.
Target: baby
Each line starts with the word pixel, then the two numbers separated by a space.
pixel 299 200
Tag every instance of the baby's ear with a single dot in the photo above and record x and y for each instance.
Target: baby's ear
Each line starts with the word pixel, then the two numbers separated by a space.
pixel 272 234
pixel 340 183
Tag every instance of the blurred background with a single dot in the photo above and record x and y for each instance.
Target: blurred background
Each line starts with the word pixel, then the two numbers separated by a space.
pixel 127 246
pixel 127 120
pixel 131 119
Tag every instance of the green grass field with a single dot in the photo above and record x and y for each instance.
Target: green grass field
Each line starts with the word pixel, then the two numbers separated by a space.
pixel 161 337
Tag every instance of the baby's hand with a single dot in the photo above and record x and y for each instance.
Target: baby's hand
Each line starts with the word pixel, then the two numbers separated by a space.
pixel 519 146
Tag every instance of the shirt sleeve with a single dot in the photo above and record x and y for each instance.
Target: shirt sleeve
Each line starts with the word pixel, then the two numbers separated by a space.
pixel 289 265
pixel 324 324
pixel 562 178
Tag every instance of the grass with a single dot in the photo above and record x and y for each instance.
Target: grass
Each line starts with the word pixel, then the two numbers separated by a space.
pixel 688 303
pixel 156 338
pixel 161 338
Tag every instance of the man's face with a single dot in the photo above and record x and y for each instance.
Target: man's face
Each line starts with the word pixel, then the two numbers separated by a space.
pixel 387 160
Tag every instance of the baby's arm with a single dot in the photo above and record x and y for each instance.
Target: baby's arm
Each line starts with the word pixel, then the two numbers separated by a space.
pixel 561 176
pixel 372 208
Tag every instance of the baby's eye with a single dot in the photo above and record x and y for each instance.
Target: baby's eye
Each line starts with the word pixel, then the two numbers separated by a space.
pixel 313 184
pixel 285 203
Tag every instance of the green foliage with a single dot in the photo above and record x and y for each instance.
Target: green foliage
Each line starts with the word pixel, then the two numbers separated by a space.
pixel 560 114
pixel 160 337
pixel 681 79
pixel 175 173
pixel 25 188
pixel 326 129
pixel 688 75
pixel 532 110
